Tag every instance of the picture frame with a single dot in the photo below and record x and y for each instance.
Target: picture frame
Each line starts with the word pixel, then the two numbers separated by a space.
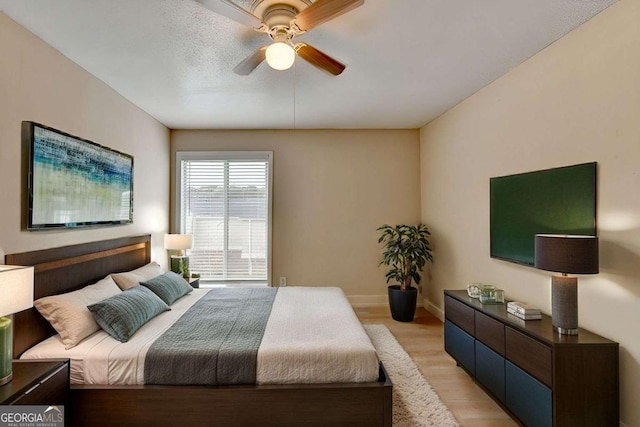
pixel 73 182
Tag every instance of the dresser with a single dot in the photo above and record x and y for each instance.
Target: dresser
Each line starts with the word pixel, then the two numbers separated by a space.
pixel 540 377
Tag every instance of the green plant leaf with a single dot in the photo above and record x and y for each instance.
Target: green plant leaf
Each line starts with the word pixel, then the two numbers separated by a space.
pixel 406 250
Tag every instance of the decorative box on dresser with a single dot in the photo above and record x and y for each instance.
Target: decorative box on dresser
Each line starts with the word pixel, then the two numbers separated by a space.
pixel 542 378
pixel 37 382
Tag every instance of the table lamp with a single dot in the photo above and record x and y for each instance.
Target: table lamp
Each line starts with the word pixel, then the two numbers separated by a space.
pixel 16 288
pixel 566 254
pixel 180 261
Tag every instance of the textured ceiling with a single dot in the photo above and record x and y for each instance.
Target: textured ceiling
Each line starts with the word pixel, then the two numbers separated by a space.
pixel 408 61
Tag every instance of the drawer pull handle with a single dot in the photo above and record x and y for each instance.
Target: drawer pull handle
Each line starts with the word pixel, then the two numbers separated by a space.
pixel 32 388
pixel 53 374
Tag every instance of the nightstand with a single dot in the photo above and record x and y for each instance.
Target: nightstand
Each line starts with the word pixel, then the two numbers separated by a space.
pixel 194 282
pixel 37 382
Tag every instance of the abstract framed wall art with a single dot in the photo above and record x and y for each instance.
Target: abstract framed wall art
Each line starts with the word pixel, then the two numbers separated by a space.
pixel 73 182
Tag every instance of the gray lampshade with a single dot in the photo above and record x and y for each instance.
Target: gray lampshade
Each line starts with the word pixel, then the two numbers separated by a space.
pixel 566 253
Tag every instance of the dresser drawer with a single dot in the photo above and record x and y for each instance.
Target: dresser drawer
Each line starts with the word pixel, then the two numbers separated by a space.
pixel 529 354
pixel 490 332
pixel 490 370
pixel 460 345
pixel 460 314
pixel 529 399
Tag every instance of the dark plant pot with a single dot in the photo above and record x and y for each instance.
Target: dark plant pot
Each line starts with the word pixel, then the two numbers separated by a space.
pixel 402 303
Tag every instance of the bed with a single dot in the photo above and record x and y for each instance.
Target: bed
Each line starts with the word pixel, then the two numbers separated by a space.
pixel 68 268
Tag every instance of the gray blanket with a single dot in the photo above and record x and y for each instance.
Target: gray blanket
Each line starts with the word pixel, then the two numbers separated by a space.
pixel 215 342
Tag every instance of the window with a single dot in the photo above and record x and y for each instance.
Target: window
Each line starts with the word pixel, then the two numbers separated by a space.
pixel 224 201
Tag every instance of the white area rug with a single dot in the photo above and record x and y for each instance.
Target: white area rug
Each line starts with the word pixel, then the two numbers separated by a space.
pixel 415 404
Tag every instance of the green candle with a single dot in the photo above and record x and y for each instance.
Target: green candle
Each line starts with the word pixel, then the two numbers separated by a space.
pixel 5 347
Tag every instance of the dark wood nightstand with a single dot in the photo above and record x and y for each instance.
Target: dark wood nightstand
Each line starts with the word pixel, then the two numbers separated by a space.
pixel 37 382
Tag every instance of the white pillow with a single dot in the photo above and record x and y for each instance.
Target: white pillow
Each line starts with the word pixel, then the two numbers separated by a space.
pixel 133 278
pixel 68 313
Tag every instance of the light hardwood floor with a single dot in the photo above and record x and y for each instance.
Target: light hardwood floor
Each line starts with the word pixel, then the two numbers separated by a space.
pixel 423 340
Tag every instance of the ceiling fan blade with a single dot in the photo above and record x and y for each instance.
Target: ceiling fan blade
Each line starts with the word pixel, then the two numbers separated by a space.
pixel 319 59
pixel 251 63
pixel 324 10
pixel 232 11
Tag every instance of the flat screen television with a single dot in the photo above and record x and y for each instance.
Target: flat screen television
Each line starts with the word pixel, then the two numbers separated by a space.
pixel 72 182
pixel 553 201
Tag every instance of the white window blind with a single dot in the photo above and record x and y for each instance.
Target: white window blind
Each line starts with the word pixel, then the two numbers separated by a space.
pixel 224 202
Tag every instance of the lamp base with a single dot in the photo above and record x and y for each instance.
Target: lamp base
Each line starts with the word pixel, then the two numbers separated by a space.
pixel 564 304
pixel 180 265
pixel 7 379
pixel 6 349
pixel 563 331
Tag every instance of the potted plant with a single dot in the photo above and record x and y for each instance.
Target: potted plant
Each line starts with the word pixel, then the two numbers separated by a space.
pixel 406 251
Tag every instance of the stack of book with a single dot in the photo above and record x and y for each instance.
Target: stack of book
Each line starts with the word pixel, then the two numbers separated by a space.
pixel 523 311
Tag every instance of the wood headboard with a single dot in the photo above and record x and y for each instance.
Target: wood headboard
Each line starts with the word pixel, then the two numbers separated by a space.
pixel 68 268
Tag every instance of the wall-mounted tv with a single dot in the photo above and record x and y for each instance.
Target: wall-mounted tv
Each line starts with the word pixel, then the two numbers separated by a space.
pixel 553 201
pixel 72 182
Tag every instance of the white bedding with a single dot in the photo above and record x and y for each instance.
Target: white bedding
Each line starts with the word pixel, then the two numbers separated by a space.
pixel 312 336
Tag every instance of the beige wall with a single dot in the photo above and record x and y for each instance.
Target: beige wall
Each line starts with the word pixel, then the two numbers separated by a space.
pixel 576 101
pixel 38 83
pixel 331 190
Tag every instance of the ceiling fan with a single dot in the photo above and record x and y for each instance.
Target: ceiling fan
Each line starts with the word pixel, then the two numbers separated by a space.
pixel 282 21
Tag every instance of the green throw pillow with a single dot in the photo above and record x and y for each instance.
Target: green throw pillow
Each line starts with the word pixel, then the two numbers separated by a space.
pixel 123 314
pixel 169 287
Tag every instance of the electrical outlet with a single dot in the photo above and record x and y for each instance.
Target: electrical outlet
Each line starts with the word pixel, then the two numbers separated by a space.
pixel 283 282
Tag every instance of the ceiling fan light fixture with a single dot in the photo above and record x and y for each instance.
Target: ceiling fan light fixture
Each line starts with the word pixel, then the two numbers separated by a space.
pixel 280 56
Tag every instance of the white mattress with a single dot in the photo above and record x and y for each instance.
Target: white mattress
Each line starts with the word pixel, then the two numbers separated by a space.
pixel 312 336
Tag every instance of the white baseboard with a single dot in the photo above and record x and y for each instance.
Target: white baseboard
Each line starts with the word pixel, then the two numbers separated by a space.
pixel 433 310
pixel 372 300
pixel 368 300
